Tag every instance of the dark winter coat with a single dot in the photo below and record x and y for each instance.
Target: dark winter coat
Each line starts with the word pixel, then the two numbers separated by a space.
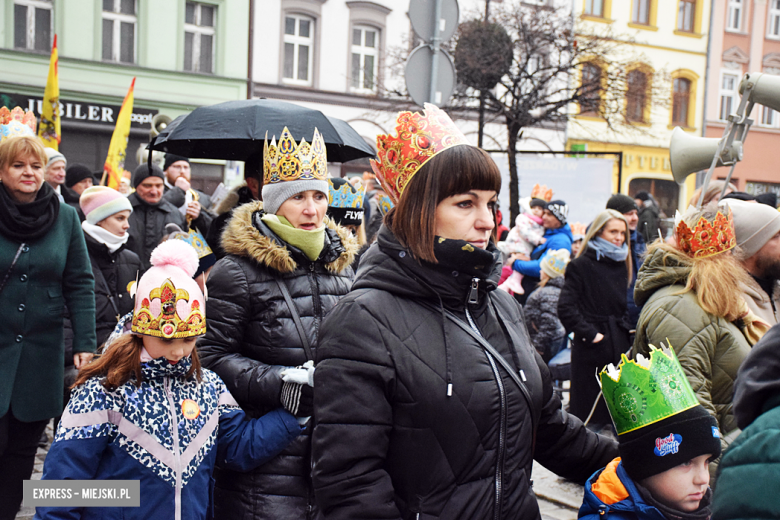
pixel 649 218
pixel 593 301
pixel 251 338
pixel 51 272
pixel 141 433
pixel 147 226
pixel 177 197
pixel 112 272
pixel 541 312
pixel 389 443
pixel 638 251
pixel 750 470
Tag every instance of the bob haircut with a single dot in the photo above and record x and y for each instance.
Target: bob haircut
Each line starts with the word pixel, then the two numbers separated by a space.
pixel 121 361
pixel 453 171
pixel 22 146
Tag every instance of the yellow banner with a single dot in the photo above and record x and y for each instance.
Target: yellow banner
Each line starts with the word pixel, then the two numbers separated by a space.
pixel 49 127
pixel 115 161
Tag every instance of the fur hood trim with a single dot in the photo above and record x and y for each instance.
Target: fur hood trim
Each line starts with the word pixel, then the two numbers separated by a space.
pixel 230 201
pixel 242 238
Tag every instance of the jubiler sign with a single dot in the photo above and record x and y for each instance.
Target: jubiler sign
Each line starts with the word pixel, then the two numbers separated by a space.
pixel 81 111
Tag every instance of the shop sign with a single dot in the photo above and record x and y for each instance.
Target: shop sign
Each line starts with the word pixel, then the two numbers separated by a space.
pixel 96 113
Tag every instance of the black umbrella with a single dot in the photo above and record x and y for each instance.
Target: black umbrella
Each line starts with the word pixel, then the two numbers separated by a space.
pixel 235 130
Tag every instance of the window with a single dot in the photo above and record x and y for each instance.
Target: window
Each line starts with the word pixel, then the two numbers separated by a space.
pixel 734 16
pixel 728 94
pixel 298 46
pixel 594 8
pixel 199 22
pixel 119 22
pixel 773 29
pixel 365 42
pixel 636 96
pixel 769 117
pixel 641 12
pixel 681 98
pixel 590 102
pixel 685 15
pixel 32 25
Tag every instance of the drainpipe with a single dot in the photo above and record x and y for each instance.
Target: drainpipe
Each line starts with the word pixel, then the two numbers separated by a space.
pixel 249 79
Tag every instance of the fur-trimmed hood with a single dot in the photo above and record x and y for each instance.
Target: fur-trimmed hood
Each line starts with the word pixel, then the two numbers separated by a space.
pixel 242 238
pixel 236 196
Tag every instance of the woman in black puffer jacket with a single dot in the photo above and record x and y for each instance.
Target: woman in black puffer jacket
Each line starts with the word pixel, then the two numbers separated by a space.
pixel 413 418
pixel 593 306
pixel 113 265
pixel 252 336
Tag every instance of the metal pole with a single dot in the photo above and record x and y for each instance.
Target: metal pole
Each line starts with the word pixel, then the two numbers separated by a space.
pixel 481 131
pixel 435 46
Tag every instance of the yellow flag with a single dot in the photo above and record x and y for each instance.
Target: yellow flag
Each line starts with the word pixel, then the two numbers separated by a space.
pixel 115 162
pixel 49 128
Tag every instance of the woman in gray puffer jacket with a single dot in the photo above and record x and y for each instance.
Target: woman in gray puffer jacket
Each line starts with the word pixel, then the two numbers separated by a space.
pixel 541 309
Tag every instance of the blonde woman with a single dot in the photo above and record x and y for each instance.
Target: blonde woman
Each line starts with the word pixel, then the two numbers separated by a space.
pixel 593 306
pixel 692 300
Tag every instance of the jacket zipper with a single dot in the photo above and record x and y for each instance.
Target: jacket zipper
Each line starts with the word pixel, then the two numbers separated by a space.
pixel 176 453
pixel 315 293
pixel 502 419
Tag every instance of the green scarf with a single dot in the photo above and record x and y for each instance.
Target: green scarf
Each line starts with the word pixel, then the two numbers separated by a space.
pixel 310 242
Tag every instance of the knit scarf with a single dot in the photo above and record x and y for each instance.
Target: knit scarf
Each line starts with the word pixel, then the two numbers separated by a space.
pixel 311 242
pixel 463 257
pixel 25 222
pixel 604 248
pixel 105 237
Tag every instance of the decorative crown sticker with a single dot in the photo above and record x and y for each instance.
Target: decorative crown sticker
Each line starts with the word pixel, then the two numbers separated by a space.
pixel 644 391
pixel 707 239
pixel 346 195
pixel 420 138
pixel 293 162
pixel 159 316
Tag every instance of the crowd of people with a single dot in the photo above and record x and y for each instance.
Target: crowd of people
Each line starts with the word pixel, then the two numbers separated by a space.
pixel 380 347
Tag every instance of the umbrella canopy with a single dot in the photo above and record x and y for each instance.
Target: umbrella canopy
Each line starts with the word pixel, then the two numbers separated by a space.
pixel 236 130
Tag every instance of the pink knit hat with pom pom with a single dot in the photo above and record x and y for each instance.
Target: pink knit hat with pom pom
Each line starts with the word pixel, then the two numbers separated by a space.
pixel 168 302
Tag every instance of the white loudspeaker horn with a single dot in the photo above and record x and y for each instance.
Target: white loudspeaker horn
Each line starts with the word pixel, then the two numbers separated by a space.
pixel 159 122
pixel 690 154
pixel 766 89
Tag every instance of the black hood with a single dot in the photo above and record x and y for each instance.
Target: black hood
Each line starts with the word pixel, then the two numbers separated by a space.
pixel 757 389
pixel 388 266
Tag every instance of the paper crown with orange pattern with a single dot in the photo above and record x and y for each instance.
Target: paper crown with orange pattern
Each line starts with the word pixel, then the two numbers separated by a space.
pixel 16 122
pixel 291 161
pixel 542 192
pixel 168 302
pixel 419 138
pixel 706 239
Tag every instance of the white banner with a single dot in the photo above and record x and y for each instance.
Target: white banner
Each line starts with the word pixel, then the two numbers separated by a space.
pixel 585 184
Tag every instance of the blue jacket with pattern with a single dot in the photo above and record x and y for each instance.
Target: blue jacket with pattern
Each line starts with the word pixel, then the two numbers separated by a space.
pixel 150 434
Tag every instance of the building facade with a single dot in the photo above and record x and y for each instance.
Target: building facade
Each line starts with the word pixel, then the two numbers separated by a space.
pixel 184 54
pixel 745 38
pixel 666 51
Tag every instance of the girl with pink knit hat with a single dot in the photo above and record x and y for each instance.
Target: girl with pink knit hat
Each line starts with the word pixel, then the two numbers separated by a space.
pixel 147 411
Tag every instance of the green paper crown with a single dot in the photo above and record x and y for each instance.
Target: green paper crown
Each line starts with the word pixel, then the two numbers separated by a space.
pixel 643 392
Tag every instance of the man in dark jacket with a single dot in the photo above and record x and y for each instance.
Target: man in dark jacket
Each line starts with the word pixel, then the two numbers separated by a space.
pixel 150 213
pixel 178 175
pixel 248 191
pixel 649 216
pixel 628 207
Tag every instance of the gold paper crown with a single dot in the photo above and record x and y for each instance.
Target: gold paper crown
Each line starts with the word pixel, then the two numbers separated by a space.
pixel 16 122
pixel 420 138
pixel 294 162
pixel 578 228
pixel 707 239
pixel 542 192
pixel 168 324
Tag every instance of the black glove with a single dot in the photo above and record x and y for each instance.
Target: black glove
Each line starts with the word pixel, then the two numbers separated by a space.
pixel 297 399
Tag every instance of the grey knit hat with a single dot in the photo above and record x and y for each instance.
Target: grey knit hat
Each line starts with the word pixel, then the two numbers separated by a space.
pixel 274 195
pixel 754 224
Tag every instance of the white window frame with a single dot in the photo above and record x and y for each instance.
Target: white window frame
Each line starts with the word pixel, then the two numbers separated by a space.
pixel 116 41
pixel 364 51
pixel 735 15
pixel 773 20
pixel 730 96
pixel 768 118
pixel 297 41
pixel 32 5
pixel 589 4
pixel 199 30
pixel 636 11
